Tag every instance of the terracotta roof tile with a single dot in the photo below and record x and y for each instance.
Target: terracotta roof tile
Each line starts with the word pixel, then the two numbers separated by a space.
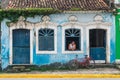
pixel 59 4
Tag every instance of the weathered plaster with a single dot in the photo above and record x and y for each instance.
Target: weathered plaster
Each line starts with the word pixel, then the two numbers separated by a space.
pixel 59 19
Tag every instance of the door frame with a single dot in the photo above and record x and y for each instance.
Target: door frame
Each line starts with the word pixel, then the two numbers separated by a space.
pixel 11 43
pixel 107 29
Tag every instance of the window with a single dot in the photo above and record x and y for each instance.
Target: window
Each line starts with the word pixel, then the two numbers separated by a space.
pixel 46 39
pixel 46 36
pixel 72 35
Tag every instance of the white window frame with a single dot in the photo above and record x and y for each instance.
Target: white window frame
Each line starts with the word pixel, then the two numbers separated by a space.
pixel 21 24
pixel 99 24
pixel 107 29
pixel 42 25
pixel 63 39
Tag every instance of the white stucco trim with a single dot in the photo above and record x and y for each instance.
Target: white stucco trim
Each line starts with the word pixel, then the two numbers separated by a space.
pixel 21 24
pixel 50 25
pixel 68 25
pixel 63 40
pixel 100 25
pixel 99 61
pixel 73 12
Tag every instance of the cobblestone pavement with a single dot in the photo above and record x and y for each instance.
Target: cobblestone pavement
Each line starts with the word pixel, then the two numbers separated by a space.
pixel 79 71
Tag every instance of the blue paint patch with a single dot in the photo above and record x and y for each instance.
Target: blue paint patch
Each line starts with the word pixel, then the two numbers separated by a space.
pixel 41 59
pixel 4 44
pixel 112 51
pixel 98 53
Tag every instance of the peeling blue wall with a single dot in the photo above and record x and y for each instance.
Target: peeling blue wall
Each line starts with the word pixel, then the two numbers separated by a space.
pixel 62 18
pixel 4 44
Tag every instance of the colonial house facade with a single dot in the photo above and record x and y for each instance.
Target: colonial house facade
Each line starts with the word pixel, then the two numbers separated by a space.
pixel 44 39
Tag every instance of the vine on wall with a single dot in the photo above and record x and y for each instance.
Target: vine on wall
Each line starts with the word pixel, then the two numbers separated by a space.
pixel 14 14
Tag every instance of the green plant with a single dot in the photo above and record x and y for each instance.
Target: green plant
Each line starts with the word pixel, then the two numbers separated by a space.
pixel 14 14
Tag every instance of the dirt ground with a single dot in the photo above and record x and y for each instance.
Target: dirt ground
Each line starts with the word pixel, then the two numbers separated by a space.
pixel 80 71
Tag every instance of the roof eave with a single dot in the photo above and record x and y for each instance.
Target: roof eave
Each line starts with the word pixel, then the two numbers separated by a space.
pixel 89 11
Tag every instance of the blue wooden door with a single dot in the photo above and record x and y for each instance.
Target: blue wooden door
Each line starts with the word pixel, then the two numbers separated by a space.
pixel 97 44
pixel 21 46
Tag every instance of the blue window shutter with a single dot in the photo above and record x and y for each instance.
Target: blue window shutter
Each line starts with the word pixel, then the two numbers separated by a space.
pixel 42 43
pixel 50 43
pixel 46 39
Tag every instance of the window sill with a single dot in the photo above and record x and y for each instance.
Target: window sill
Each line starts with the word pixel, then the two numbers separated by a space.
pixel 72 52
pixel 46 52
